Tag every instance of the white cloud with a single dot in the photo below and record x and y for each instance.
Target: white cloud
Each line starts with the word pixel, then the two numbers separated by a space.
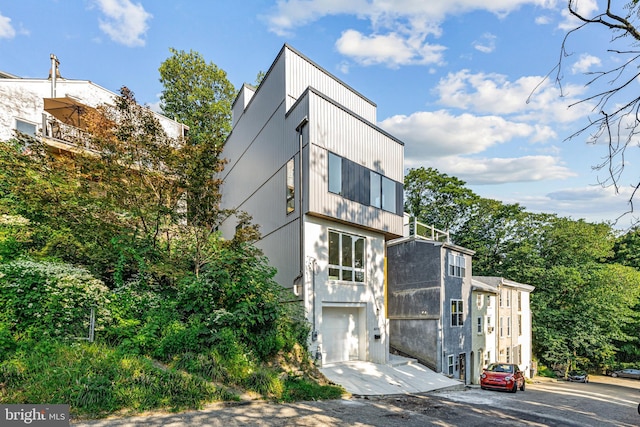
pixel 125 22
pixel 391 49
pixel 487 44
pixel 585 8
pixel 584 63
pixel 529 98
pixel 592 203
pixel 483 171
pixel 402 24
pixel 439 133
pixel 6 29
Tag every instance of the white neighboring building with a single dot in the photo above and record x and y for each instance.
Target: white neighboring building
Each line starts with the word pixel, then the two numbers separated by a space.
pixel 513 321
pixel 53 108
pixel 324 183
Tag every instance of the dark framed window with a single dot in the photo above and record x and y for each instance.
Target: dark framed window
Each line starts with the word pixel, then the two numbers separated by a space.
pixel 346 257
pixel 457 312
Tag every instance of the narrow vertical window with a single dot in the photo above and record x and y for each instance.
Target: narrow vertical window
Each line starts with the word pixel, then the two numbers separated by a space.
pixel 457 312
pixel 376 189
pixel 291 186
pixel 479 330
pixel 335 174
pixel 450 363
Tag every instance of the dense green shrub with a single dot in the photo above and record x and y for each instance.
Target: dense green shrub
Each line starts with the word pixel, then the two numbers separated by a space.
pixel 48 299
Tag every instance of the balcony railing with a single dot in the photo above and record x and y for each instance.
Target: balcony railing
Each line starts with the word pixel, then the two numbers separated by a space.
pixel 418 229
pixel 66 134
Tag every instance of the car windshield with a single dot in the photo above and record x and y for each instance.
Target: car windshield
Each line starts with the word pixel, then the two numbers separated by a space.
pixel 500 367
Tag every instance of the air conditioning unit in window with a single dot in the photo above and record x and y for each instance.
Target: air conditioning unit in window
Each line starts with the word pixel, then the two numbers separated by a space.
pixel 490 329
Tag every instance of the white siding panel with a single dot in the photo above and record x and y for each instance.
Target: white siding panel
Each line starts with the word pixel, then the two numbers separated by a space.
pixel 302 73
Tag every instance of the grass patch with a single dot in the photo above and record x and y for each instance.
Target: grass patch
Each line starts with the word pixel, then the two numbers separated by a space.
pixel 297 389
pixel 96 380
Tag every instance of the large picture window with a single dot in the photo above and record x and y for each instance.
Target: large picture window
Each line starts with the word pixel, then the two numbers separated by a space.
pixel 346 257
pixel 360 184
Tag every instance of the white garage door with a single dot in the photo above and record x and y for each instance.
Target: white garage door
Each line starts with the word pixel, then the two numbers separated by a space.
pixel 341 333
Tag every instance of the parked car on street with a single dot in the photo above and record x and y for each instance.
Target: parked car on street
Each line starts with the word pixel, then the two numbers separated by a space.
pixel 627 373
pixel 578 376
pixel 502 376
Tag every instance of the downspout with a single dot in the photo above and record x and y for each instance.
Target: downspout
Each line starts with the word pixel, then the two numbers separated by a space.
pixel 298 282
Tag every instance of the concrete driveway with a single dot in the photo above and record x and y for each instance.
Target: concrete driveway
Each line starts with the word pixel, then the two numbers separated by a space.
pixel 400 376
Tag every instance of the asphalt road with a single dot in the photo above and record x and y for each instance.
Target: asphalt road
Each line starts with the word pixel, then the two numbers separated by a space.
pixel 603 402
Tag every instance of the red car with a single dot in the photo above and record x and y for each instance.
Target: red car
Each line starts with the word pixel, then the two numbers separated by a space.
pixel 502 376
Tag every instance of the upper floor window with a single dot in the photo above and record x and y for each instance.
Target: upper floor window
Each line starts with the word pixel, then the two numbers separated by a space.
pixel 346 257
pixel 457 265
pixel 291 186
pixel 519 324
pixel 457 312
pixel 479 325
pixel 488 300
pixel 479 300
pixel 508 295
pixel 519 301
pixel 450 364
pixel 359 184
pixel 25 127
pixel 335 173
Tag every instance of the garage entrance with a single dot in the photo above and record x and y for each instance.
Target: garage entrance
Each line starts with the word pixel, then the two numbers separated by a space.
pixel 343 334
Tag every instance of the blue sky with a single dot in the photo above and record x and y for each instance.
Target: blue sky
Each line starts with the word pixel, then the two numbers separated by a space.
pixel 453 79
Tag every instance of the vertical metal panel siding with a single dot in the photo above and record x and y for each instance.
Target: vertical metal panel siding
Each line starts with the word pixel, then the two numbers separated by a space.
pixel 335 130
pixel 301 74
pixel 283 251
pixel 361 142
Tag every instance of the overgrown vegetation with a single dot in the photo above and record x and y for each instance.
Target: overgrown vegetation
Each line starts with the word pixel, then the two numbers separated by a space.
pixel 182 317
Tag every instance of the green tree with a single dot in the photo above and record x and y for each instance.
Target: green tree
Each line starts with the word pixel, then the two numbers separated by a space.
pixel 627 249
pixel 199 95
pixel 493 229
pixel 437 199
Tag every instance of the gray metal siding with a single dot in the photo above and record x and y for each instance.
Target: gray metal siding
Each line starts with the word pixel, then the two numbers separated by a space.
pixel 301 74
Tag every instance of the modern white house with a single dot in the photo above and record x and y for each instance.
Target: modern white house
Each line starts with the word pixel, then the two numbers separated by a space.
pixel 512 321
pixel 308 163
pixel 54 107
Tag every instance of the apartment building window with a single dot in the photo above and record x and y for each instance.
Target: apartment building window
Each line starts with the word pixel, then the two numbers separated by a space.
pixel 519 325
pixel 508 326
pixel 457 312
pixel 488 300
pixel 359 184
pixel 25 127
pixel 488 358
pixel 517 357
pixel 479 324
pixel 508 294
pixel 501 329
pixel 450 364
pixel 346 257
pixel 508 358
pixel 519 301
pixel 489 326
pixel 501 297
pixel 457 265
pixel 479 300
pixel 291 186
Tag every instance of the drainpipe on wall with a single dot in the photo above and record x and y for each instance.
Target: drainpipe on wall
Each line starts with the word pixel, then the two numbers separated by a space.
pixel 298 282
